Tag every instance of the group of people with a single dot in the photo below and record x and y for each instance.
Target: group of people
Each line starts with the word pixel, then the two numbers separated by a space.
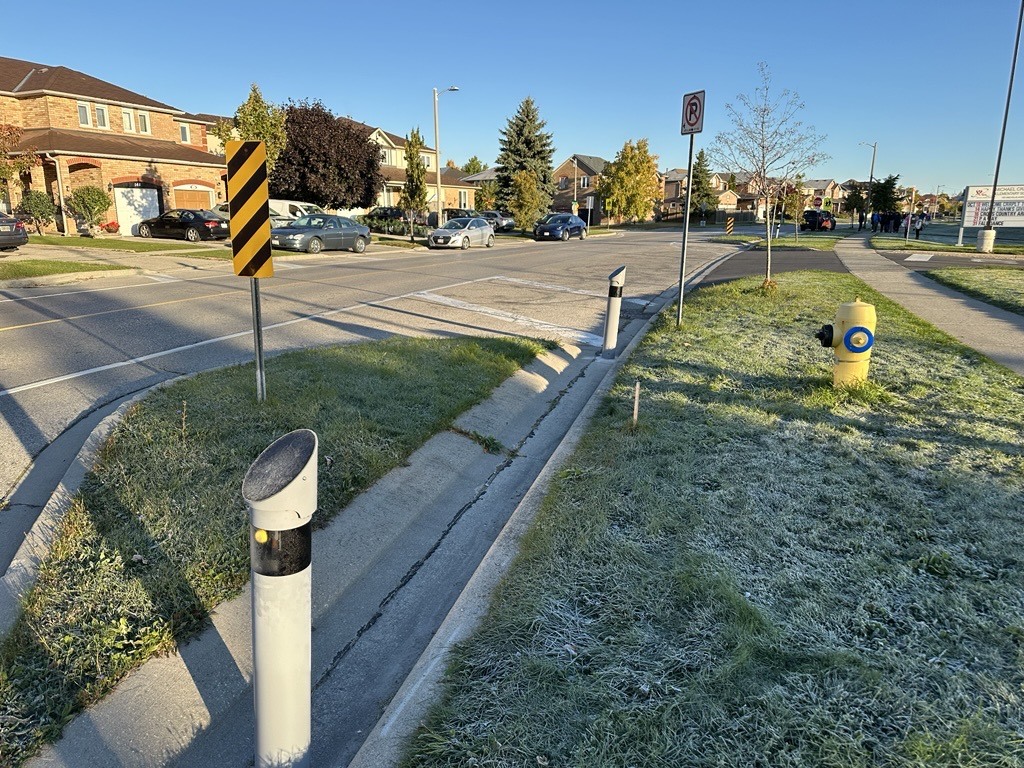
pixel 892 221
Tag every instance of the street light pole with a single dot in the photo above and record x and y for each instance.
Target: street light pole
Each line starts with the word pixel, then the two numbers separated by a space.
pixel 871 173
pixel 574 169
pixel 437 147
pixel 987 237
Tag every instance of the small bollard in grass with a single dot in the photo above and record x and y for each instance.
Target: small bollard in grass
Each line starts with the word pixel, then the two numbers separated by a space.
pixel 636 402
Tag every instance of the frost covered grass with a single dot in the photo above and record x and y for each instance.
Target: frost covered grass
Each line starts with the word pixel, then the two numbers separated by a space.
pixel 765 571
pixel 999 286
pixel 158 535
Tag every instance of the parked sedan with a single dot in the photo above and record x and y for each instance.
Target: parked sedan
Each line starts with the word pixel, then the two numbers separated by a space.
pixel 188 223
pixel 462 233
pixel 313 234
pixel 12 233
pixel 560 226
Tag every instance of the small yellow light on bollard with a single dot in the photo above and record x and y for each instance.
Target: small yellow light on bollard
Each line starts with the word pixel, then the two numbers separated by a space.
pixel 261 536
pixel 852 338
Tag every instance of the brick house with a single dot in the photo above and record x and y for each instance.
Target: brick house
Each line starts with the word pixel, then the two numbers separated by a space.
pixel 147 155
pixel 579 175
pixel 456 192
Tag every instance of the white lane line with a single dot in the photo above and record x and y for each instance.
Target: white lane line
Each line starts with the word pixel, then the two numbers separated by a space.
pixel 561 288
pixel 919 257
pixel 161 278
pixel 529 322
pixel 228 337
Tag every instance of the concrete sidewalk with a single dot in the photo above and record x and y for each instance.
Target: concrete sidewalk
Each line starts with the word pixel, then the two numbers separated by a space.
pixel 994 332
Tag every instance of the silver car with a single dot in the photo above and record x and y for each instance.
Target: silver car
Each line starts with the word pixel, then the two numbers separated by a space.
pixel 462 233
pixel 321 232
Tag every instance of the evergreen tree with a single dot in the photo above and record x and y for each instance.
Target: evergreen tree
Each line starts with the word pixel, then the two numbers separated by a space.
pixel 414 194
pixel 885 195
pixel 474 165
pixel 525 147
pixel 629 184
pixel 701 191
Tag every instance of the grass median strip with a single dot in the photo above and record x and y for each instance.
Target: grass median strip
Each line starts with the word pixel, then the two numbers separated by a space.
pixel 26 268
pixel 158 534
pixel 765 570
pixel 129 244
pixel 999 286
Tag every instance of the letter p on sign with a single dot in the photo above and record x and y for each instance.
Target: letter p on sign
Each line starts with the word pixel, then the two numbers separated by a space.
pixel 693 113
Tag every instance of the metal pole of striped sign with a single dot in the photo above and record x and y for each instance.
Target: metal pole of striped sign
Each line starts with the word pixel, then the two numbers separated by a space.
pixel 692 123
pixel 249 206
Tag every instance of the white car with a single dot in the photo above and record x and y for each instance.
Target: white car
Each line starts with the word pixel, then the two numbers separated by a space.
pixel 462 233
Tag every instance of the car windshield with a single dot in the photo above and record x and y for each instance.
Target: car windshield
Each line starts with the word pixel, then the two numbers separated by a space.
pixel 558 220
pixel 308 221
pixel 456 224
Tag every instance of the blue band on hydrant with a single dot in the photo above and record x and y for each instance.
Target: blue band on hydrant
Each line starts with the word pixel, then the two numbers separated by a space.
pixel 870 339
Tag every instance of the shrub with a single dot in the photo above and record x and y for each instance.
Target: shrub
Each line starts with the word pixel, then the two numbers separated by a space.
pixel 89 204
pixel 37 205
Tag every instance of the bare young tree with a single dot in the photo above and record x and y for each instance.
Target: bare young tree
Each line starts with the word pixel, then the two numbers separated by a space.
pixel 769 143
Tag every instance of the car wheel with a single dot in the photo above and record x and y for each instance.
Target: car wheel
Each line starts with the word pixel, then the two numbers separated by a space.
pixel 360 245
pixel 315 245
pixel 465 243
pixel 583 233
pixel 192 235
pixel 144 230
pixel 565 235
pixel 490 241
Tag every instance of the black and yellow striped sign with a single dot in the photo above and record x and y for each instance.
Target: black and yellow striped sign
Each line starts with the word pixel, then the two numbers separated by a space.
pixel 248 200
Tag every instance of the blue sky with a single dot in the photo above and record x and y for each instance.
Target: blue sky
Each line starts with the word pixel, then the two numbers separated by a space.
pixel 927 81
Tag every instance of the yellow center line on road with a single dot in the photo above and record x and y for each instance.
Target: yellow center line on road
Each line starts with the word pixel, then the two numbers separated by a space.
pixel 115 311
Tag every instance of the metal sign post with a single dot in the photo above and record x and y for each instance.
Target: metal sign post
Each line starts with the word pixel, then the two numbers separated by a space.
pixel 249 206
pixel 693 122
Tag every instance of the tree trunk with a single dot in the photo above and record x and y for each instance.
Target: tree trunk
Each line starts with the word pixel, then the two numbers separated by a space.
pixel 768 258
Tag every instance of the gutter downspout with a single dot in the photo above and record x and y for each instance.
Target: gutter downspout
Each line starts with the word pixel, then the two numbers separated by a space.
pixel 60 195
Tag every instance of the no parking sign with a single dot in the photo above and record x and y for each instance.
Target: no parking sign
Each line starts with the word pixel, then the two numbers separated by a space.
pixel 693 113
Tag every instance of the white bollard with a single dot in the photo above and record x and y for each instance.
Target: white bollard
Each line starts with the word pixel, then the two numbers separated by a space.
pixel 616 280
pixel 280 490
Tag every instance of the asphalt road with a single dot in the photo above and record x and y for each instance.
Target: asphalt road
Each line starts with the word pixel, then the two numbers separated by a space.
pixel 72 352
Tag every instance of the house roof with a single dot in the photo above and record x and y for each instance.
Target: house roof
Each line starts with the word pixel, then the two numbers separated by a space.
pixel 487 174
pixel 817 183
pixel 591 163
pixel 87 143
pixel 450 177
pixel 675 174
pixel 202 117
pixel 22 78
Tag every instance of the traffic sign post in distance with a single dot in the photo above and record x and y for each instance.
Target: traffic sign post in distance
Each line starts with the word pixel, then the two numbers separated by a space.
pixel 693 113
pixel 692 124
pixel 249 204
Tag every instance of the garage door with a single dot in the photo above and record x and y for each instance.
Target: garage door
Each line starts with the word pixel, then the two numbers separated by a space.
pixel 133 205
pixel 188 198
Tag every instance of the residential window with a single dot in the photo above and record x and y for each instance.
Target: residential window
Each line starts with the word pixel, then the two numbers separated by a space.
pixel 563 182
pixel 186 135
pixel 463 199
pixel 143 122
pixel 101 117
pixel 584 182
pixel 83 114
pixel 128 120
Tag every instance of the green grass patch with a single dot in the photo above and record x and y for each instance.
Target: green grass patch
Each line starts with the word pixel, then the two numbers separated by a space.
pixel 736 239
pixel 158 534
pixel 999 286
pixel 765 571
pixel 128 244
pixel 23 268
pixel 897 243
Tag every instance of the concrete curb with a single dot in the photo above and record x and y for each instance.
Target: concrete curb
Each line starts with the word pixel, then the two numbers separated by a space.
pixel 400 719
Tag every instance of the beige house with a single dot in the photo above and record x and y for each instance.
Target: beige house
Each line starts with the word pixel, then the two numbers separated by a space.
pixel 147 155
pixel 576 179
pixel 455 192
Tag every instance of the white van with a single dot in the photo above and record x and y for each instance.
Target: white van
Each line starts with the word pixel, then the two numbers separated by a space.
pixel 281 211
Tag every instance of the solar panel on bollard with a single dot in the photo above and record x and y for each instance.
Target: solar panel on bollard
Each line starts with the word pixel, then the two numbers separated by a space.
pixel 280 490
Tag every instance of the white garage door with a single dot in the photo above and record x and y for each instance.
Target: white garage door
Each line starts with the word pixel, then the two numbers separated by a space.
pixel 135 205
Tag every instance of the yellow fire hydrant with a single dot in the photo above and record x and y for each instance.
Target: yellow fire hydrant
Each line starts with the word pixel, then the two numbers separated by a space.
pixel 852 338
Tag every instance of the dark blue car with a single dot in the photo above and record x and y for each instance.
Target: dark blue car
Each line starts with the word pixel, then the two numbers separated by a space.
pixel 560 226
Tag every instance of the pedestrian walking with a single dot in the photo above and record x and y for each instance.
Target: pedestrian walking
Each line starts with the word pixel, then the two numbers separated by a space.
pixel 861 218
pixel 918 226
pixel 875 221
